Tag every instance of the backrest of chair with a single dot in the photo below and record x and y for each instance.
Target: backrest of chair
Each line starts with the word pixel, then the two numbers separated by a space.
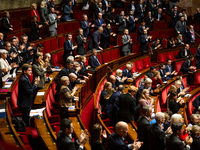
pixel 162 58
pixel 184 81
pixel 146 62
pixel 106 57
pixel 54 43
pixel 164 96
pixel 134 68
pixel 139 65
pixel 190 105
pixel 178 66
pixel 14 95
pixel 54 87
pixel 99 57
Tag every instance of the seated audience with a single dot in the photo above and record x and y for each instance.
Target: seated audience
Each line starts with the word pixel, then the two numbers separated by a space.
pixel 168 68
pixel 47 61
pixel 67 11
pixel 173 141
pixel 179 40
pixel 127 72
pixel 156 44
pixel 6 27
pixel 143 126
pixel 131 22
pixel 187 65
pixel 95 40
pixel 119 79
pixel 11 55
pixel 164 75
pixel 198 57
pixel 127 103
pixel 99 22
pixel 175 103
pixel 141 29
pixel 116 142
pixel 184 52
pixel 73 81
pixel 94 60
pixel 112 79
pixel 78 71
pixel 69 47
pixel 35 29
pixel 171 43
pixel 195 135
pixel 196 103
pixel 66 97
pixel 144 41
pixel 145 99
pixel 143 80
pixel 106 88
pixel 175 14
pixel 110 16
pixel 190 35
pixel 156 80
pixel 86 25
pixel 96 141
pixel 193 120
pixel 150 20
pixel 152 70
pixel 44 13
pixel 106 35
pixel 131 6
pixel 182 87
pixel 178 84
pixel 122 22
pixel 81 41
pixel 158 14
pixel 180 26
pixel 34 11
pixel 126 41
pixel 64 138
pixel 183 13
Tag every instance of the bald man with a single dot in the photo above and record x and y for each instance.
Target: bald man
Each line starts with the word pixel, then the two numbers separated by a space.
pixel 95 40
pixel 73 81
pixel 113 80
pixel 116 140
pixel 127 72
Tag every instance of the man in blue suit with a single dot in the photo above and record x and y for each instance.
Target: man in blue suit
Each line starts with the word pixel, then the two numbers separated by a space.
pixel 131 22
pixel 163 72
pixel 68 47
pixel 187 65
pixel 174 16
pixel 141 29
pixel 140 9
pixel 94 60
pixel 67 11
pixel 145 39
pixel 168 68
pixel 95 40
pixel 86 25
pixel 99 22
pixel 25 92
pixel 127 72
pixel 184 52
pixel 116 140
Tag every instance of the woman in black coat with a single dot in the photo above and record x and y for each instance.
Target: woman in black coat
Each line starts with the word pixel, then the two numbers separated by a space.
pixel 198 57
pixel 96 142
pixel 150 20
pixel 175 103
pixel 35 29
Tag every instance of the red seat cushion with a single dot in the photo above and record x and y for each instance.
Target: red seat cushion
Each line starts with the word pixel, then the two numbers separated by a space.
pixel 161 58
pixel 61 41
pixel 139 65
pixel 113 54
pixel 178 66
pixel 136 48
pixel 146 62
pixel 54 44
pixel 60 29
pixel 47 46
pixel 106 57
pixel 75 26
pixel 119 40
pixel 134 69
pixel 67 27
pixel 99 57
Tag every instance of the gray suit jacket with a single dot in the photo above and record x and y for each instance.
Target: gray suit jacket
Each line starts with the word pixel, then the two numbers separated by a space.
pixel 179 25
pixel 52 22
pixel 121 23
pixel 125 43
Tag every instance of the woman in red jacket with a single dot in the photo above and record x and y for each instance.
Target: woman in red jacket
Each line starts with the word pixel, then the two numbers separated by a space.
pixel 156 80
pixel 34 11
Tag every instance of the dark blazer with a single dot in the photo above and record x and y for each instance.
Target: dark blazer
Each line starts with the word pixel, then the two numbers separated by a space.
pixel 143 125
pixel 174 142
pixel 25 92
pixel 35 30
pixel 86 28
pixel 149 23
pixel 105 38
pixel 195 144
pixel 119 4
pixel 121 23
pixel 109 16
pixel 93 43
pixel 144 43
pixel 179 26
pixel 81 45
pixel 185 66
pixel 169 69
pixel 150 7
pixel 157 139
pixel 129 7
pixel 1 44
pixel 5 25
pixel 196 102
pixel 131 24
pixel 174 107
pixel 126 104
pixel 97 145
pixel 198 58
pixel 174 18
pixel 115 142
pixel 83 70
pixel 97 23
pixel 1 75
pixel 127 74
pixel 104 5
pixel 139 11
pixel 103 101
pixel 93 62
pixel 64 141
pixel 162 74
pixel 188 37
pixel 140 32
pixel 181 53
pixel 156 15
pixel 68 51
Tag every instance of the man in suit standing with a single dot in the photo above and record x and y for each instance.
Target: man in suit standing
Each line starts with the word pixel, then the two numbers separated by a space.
pixel 81 41
pixel 173 141
pixel 127 103
pixel 68 47
pixel 131 22
pixel 99 10
pixel 157 139
pixel 122 22
pixel 95 40
pixel 116 140
pixel 99 22
pixel 144 43
pixel 52 4
pixel 67 11
pixel 187 65
pixel 94 60
pixel 181 26
pixel 64 138
pixel 141 29
pixel 168 68
pixel 25 92
pixel 6 27
pixel 184 52
pixel 164 75
pixel 53 20
pixel 140 9
pixel 158 14
pixel 143 125
pixel 86 25
pixel 174 16
pixel 126 41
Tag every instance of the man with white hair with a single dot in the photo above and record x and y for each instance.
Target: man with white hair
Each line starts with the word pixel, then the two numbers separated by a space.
pixel 157 139
pixel 177 83
pixel 190 35
pixel 127 72
pixel 73 81
pixel 176 118
pixel 47 61
pixel 78 72
pixel 193 120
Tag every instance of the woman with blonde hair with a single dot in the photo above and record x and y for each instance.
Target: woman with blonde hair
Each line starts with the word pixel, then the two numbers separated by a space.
pixel 44 13
pixel 145 99
pixel 107 87
pixel 179 40
pixel 34 11
pixel 110 92
pixel 156 80
pixel 119 79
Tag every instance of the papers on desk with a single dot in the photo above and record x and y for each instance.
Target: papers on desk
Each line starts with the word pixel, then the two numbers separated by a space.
pixel 8 82
pixel 137 74
pixel 71 108
pixel 40 93
pixel 2 110
pixel 165 82
pixel 19 70
pixel 36 112
pixel 6 86
pixel 56 69
pixel 187 95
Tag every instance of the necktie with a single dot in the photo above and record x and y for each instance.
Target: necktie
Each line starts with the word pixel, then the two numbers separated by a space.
pixel 100 22
pixel 86 23
pixel 97 60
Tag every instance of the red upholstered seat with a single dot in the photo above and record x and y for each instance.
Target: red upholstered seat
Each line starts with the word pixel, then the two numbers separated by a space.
pixel 106 122
pixel 16 24
pixel 154 34
pixel 74 35
pixel 111 129
pixel 61 41
pixel 164 44
pixel 139 65
pixel 171 32
pixel 190 105
pixel 147 62
pixel 134 37
pixel 184 81
pixel 54 87
pixel 25 23
pixel 60 29
pixel 138 82
pixel 99 57
pixel 175 53
pixel 193 50
pixel 67 27
pixel 161 58
pixel 136 48
pixel 178 66
pixel 57 59
pixel 170 55
pixel 106 57
pixel 113 54
pixel 163 99
pixel 47 46
pixel 75 25
pixel 54 44
pixel 163 34
pixel 160 25
pixel 119 41
pixel 134 68
pixel 197 79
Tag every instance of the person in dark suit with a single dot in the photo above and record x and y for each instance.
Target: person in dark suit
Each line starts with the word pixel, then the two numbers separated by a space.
pixel 119 3
pixel 195 134
pixel 157 139
pixel 144 42
pixel 67 11
pixel 68 47
pixel 73 81
pixel 140 9
pixel 52 4
pixel 64 137
pixel 181 26
pixel 141 29
pixel 150 20
pixel 86 25
pixel 95 40
pixel 164 75
pixel 1 75
pixel 151 5
pixel 131 22
pixel 173 141
pixel 196 103
pixel 127 103
pixel 152 70
pixel 35 29
pixel 110 16
pixel 99 22
pixel 184 52
pixel 98 10
pixel 158 14
pixel 116 140
pixel 105 5
pixel 84 68
pixel 168 68
pixel 122 22
pixel 175 103
pixel 174 16
pixel 25 92
pixel 1 40
pixel 94 60
pixel 106 35
pixel 6 27
pixel 127 72
pixel 156 44
pixel 131 6
pixel 198 57
pixel 190 35
pixel 81 41
pixel 187 65
pixel 143 125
